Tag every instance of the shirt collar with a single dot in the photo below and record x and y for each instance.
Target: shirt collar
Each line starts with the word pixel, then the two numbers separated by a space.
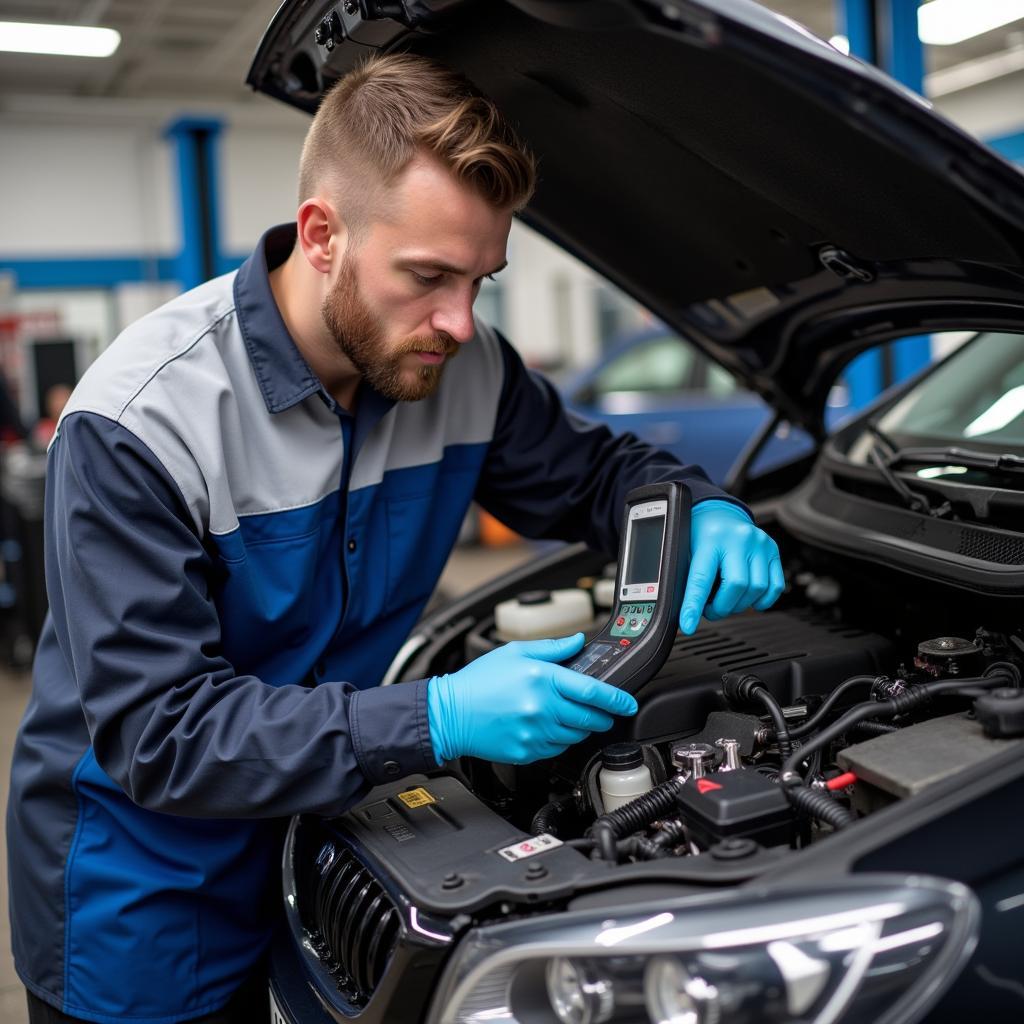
pixel 284 376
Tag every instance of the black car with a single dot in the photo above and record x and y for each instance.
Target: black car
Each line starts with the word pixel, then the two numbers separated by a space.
pixel 856 852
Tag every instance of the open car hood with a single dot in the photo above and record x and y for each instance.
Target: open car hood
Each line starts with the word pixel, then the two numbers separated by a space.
pixel 782 205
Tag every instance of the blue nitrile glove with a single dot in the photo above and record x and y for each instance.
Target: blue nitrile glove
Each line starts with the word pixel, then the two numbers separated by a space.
pixel 514 705
pixel 724 540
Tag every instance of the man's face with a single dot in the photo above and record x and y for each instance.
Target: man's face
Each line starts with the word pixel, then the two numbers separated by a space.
pixel 402 301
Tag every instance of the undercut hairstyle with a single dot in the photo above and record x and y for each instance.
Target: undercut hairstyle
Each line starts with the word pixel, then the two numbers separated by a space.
pixel 377 118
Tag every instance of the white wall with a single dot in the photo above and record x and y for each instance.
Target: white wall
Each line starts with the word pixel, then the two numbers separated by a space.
pixel 73 189
pixel 259 179
pixel 991 109
pixel 550 312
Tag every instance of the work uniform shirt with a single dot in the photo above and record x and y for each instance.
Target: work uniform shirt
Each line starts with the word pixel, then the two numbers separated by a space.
pixel 232 561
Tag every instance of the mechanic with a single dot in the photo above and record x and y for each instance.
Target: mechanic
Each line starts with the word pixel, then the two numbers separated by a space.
pixel 250 497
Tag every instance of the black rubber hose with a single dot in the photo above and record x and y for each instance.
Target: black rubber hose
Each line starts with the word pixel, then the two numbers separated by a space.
pixel 774 708
pixel 874 728
pixel 819 716
pixel 899 704
pixel 740 689
pixel 912 697
pixel 603 835
pixel 634 816
pixel 548 818
pixel 819 806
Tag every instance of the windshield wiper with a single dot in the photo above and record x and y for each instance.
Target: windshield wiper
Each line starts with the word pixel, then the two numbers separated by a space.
pixel 883 462
pixel 969 457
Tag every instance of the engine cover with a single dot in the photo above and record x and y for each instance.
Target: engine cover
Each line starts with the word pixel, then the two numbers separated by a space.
pixel 794 652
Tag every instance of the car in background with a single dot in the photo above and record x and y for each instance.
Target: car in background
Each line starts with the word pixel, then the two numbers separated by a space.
pixel 852 852
pixel 655 384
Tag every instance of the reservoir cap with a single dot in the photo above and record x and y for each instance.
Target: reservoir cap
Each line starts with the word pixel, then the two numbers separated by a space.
pixel 622 757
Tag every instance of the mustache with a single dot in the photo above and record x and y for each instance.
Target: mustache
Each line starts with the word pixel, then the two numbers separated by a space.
pixel 439 344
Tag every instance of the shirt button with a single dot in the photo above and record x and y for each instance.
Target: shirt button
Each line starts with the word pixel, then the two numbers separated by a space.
pixel 351 544
pixel 391 768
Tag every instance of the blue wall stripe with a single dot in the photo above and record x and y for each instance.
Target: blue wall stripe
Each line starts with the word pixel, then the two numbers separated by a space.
pixel 1011 146
pixel 226 262
pixel 88 272
pixel 35 272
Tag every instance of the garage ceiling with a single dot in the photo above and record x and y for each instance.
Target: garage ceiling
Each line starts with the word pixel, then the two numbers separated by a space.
pixel 184 50
pixel 170 49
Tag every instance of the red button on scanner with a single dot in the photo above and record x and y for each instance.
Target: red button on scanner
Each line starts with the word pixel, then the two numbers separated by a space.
pixel 623 642
pixel 619 621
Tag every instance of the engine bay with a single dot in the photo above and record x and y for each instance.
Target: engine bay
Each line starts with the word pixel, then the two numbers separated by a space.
pixel 799 721
pixel 760 736
pixel 865 703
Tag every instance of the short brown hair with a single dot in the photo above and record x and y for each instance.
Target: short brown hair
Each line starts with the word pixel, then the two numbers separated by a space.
pixel 374 120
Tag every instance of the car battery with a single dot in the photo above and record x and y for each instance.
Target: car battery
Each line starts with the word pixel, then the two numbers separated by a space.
pixel 742 803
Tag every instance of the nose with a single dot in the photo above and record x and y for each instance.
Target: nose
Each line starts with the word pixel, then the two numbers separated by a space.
pixel 455 317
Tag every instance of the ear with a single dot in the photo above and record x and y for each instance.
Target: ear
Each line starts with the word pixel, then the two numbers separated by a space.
pixel 322 234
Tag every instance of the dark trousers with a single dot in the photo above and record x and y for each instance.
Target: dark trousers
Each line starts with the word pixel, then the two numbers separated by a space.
pixel 249 1005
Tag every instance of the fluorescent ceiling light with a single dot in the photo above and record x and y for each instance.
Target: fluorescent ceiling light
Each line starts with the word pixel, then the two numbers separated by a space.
pixel 841 43
pixel 944 22
pixel 61 40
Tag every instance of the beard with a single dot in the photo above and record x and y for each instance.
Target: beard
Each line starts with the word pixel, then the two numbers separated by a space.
pixel 360 336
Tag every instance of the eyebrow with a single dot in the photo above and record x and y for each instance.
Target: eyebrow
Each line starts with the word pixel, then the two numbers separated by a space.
pixel 448 268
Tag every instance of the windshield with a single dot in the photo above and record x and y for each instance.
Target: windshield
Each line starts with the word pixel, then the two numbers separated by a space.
pixel 974 399
pixel 963 423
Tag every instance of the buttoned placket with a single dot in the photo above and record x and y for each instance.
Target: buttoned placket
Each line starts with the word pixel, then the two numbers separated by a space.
pixel 354 431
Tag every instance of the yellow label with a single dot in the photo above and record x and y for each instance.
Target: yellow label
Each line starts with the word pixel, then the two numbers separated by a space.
pixel 416 797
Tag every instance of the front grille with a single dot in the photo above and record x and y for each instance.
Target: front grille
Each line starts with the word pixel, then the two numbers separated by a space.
pixel 353 924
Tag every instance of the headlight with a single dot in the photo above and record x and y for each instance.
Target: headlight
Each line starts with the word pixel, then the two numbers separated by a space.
pixel 873 950
pixel 576 994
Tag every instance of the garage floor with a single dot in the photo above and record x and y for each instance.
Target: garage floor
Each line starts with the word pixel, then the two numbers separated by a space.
pixel 467 568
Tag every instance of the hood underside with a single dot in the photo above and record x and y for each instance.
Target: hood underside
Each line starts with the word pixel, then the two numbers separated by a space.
pixel 753 187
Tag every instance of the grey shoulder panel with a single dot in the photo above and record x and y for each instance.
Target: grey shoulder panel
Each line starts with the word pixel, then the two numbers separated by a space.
pixel 463 410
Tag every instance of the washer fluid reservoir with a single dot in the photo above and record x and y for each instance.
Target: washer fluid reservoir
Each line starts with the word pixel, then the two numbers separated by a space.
pixel 604 593
pixel 543 614
pixel 623 775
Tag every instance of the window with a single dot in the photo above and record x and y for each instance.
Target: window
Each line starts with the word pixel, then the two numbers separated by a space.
pixel 660 364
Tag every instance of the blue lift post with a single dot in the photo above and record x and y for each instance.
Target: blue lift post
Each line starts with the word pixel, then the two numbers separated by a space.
pixel 884 32
pixel 196 142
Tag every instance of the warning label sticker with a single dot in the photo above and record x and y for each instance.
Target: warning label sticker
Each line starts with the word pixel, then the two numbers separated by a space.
pixel 416 797
pixel 529 847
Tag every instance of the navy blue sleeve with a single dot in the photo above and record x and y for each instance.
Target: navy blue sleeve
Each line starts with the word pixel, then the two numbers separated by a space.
pixel 551 473
pixel 129 582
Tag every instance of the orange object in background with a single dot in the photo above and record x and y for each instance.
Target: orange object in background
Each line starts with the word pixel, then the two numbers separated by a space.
pixel 495 534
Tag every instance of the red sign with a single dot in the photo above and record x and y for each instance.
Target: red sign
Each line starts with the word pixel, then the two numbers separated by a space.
pixel 706 785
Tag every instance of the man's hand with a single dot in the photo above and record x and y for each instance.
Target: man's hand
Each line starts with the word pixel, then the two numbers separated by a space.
pixel 515 706
pixel 724 541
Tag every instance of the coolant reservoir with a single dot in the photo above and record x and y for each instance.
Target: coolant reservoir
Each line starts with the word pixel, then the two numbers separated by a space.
pixel 542 614
pixel 623 776
pixel 604 593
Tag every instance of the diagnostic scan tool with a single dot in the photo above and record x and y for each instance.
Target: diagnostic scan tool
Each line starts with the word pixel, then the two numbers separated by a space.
pixel 653 560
